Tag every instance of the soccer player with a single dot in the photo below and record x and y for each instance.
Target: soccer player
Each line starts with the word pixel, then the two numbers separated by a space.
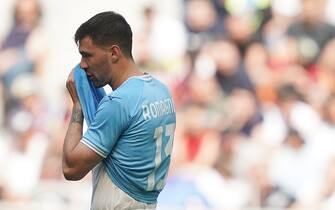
pixel 130 139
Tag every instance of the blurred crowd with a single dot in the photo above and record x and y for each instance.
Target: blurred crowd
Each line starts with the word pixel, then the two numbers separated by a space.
pixel 253 83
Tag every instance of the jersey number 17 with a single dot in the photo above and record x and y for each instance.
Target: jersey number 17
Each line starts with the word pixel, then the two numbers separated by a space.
pixel 158 136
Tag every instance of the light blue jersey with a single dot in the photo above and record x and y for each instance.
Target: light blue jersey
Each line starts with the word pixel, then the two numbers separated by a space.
pixel 133 130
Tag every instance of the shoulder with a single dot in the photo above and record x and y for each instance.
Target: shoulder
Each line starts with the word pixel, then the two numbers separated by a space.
pixel 132 89
pixel 127 93
pixel 110 103
pixel 160 86
pixel 123 99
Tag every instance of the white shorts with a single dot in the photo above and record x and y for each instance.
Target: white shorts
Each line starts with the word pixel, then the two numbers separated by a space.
pixel 107 196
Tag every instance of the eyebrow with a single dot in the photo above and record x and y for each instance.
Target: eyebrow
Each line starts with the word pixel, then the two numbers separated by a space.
pixel 83 53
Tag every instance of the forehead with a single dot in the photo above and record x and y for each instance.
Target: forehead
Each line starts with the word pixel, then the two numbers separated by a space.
pixel 86 44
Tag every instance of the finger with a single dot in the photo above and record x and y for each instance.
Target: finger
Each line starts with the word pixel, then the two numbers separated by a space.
pixel 70 85
pixel 71 76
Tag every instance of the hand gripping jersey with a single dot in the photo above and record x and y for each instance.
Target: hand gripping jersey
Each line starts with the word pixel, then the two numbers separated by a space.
pixel 133 129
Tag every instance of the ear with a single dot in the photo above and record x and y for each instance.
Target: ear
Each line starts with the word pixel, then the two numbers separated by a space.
pixel 115 53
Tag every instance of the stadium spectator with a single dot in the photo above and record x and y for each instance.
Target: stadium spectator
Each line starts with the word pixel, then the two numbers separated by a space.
pixel 23 51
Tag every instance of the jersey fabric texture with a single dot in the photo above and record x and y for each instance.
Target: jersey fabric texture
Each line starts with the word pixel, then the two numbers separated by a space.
pixel 133 130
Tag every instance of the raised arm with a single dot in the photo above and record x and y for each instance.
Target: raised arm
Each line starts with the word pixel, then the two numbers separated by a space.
pixel 78 159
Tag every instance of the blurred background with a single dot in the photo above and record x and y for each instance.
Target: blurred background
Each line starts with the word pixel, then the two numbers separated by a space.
pixel 254 88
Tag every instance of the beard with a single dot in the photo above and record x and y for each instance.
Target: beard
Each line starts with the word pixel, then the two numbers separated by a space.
pixel 99 73
pixel 97 83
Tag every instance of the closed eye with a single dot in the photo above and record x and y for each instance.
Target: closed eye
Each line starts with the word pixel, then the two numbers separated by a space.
pixel 85 54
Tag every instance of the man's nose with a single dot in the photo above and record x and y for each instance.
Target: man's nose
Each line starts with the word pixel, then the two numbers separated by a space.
pixel 83 64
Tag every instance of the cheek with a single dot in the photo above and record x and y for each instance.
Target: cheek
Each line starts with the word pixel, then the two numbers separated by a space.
pixel 97 65
pixel 102 71
pixel 103 68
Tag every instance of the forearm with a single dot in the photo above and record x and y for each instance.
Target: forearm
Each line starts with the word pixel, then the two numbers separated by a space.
pixel 73 136
pixel 78 159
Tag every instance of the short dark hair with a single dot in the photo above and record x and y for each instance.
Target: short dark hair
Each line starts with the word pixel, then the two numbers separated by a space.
pixel 107 28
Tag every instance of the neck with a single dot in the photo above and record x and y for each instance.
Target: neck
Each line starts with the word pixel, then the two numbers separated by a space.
pixel 125 71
